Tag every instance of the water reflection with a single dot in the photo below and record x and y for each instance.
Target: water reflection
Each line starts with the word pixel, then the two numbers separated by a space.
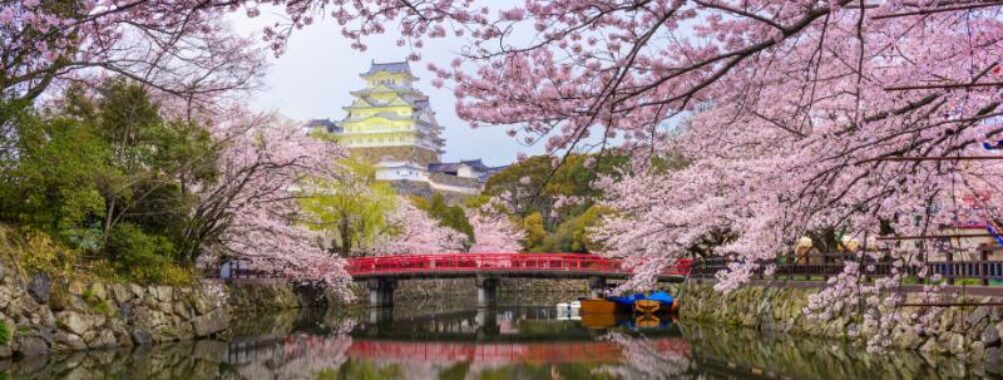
pixel 504 343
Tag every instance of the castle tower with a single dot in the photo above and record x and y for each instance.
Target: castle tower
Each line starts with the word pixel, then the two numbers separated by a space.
pixel 390 120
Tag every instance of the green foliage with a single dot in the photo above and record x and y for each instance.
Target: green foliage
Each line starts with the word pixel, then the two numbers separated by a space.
pixel 104 307
pixel 107 178
pixel 4 334
pixel 449 216
pixel 535 186
pixel 363 370
pixel 35 251
pixel 53 186
pixel 352 210
pixel 139 256
pixel 535 233
pixel 457 371
pixel 543 184
pixel 572 235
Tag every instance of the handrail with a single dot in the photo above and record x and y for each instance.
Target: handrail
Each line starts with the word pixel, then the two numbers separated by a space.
pixel 495 262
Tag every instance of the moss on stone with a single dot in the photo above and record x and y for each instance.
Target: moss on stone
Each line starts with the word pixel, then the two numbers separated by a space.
pixel 4 334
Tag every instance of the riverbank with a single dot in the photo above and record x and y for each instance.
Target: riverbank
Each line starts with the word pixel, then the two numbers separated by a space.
pixel 40 315
pixel 971 332
pixel 308 342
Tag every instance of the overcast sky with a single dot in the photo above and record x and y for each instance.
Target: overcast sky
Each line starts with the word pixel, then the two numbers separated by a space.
pixel 313 78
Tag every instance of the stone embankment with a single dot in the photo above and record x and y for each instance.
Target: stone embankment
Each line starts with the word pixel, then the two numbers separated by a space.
pixel 973 331
pixel 39 315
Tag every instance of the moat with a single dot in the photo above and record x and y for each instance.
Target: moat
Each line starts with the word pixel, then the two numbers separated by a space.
pixel 425 341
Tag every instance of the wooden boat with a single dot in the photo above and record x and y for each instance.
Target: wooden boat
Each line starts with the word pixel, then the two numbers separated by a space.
pixel 598 321
pixel 647 306
pixel 647 321
pixel 597 306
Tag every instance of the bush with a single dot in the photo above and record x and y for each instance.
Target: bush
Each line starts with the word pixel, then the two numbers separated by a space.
pixel 137 256
pixel 37 252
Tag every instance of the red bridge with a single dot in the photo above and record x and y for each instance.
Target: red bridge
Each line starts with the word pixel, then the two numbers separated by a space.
pixel 381 273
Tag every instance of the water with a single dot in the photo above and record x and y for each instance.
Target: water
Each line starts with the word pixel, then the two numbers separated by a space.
pixel 415 342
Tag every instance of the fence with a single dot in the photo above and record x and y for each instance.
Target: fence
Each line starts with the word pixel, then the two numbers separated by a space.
pixel 827 265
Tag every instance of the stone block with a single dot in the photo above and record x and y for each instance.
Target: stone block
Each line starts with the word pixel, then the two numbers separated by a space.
pixel 99 291
pixel 32 346
pixel 77 288
pixel 40 287
pixel 141 337
pixel 209 324
pixel 70 340
pixel 73 322
pixel 121 293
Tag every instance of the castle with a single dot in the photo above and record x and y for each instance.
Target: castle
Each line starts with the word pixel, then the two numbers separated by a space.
pixel 391 125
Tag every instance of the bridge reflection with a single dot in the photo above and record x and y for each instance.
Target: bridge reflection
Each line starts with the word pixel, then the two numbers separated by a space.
pixel 504 353
pixel 443 352
pixel 489 337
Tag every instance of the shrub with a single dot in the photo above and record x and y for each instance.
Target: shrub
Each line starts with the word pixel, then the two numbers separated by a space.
pixel 138 256
pixel 36 251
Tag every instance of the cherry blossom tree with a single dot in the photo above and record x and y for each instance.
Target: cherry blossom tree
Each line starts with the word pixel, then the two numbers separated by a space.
pixel 494 232
pixel 412 231
pixel 249 211
pixel 178 47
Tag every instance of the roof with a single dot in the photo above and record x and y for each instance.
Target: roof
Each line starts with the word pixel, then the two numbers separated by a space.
pixel 402 67
pixel 326 124
pixel 444 167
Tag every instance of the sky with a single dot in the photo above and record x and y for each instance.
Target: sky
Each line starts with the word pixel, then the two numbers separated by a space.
pixel 312 80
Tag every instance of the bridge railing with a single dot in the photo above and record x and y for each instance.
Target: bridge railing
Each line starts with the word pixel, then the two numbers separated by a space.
pixel 467 262
pixel 494 262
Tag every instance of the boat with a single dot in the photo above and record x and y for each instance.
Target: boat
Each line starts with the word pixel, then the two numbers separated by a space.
pixel 646 303
pixel 598 321
pixel 664 301
pixel 600 306
pixel 647 306
pixel 647 321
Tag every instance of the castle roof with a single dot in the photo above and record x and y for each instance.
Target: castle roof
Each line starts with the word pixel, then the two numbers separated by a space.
pixel 443 167
pixel 402 67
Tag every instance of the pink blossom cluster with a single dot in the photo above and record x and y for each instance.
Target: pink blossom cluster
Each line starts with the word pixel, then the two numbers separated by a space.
pixel 413 232
pixel 180 47
pixel 494 232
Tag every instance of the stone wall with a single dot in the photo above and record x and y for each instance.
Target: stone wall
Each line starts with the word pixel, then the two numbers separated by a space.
pixel 423 189
pixel 973 332
pixel 280 295
pixel 414 154
pixel 511 291
pixel 46 316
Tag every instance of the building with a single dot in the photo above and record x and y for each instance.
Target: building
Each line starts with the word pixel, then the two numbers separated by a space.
pixel 390 124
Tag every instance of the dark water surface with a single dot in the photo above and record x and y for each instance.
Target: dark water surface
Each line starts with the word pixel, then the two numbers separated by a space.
pixel 416 342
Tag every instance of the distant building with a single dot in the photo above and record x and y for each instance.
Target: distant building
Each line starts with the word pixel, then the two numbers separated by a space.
pixel 391 125
pixel 325 125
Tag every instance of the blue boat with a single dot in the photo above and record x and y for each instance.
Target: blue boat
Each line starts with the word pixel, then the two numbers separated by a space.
pixel 628 302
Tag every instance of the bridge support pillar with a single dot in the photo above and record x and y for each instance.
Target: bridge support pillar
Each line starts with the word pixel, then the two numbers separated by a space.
pixel 381 291
pixel 487 322
pixel 597 284
pixel 487 291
